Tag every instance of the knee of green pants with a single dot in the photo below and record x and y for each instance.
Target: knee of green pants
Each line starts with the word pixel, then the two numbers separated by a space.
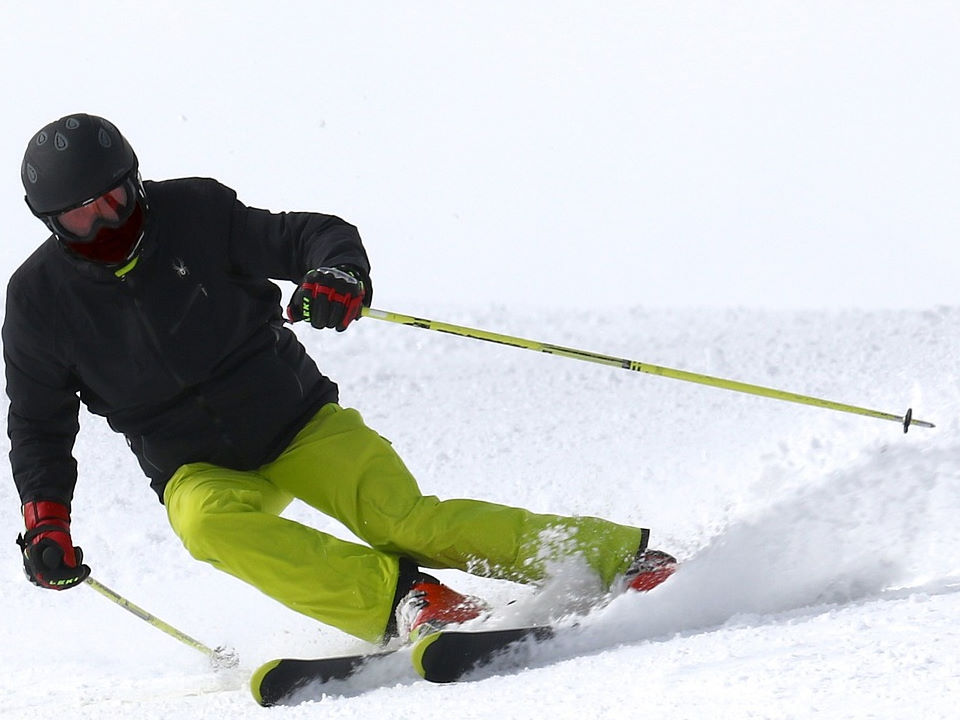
pixel 346 470
pixel 200 491
pixel 229 519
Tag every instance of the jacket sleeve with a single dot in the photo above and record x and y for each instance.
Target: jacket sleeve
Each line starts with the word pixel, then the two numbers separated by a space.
pixel 43 420
pixel 285 246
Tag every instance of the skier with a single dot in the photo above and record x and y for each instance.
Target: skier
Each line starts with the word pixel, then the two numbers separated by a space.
pixel 151 304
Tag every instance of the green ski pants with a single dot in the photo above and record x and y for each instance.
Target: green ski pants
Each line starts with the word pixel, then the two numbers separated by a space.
pixel 231 519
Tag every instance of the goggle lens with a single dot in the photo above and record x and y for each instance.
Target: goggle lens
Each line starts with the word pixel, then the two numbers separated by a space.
pixel 113 245
pixel 106 229
pixel 80 224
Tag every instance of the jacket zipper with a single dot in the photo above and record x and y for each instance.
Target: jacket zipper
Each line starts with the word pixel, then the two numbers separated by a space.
pixel 194 296
pixel 151 334
pixel 155 344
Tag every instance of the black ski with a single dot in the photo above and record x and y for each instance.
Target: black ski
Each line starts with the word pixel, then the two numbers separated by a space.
pixel 441 657
pixel 279 681
pixel 447 656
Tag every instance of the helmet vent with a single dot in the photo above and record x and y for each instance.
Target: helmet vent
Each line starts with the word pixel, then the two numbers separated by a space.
pixel 73 159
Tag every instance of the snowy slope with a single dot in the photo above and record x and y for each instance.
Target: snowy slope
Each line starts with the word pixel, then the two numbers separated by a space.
pixel 820 567
pixel 757 189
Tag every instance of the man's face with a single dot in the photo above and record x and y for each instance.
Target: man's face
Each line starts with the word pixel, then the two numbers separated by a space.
pixel 105 229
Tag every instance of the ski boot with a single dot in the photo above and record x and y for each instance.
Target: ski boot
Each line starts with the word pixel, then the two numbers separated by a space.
pixel 648 569
pixel 430 606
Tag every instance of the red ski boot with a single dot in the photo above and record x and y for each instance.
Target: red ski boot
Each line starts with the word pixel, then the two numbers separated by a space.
pixel 649 569
pixel 430 606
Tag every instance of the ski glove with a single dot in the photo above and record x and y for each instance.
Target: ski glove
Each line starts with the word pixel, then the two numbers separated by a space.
pixel 328 298
pixel 50 559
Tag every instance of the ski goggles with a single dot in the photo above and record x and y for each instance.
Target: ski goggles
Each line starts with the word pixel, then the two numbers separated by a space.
pixel 106 229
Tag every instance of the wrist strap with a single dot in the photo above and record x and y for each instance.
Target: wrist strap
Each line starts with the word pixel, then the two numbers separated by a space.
pixel 28 537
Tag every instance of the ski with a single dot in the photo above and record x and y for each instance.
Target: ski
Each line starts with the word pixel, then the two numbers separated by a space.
pixel 444 656
pixel 448 655
pixel 282 680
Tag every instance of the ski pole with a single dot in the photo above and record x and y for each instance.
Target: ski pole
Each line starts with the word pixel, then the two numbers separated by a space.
pixel 219 657
pixel 905 420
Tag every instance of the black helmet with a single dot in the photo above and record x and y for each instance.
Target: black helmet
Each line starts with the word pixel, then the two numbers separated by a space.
pixel 82 179
pixel 73 159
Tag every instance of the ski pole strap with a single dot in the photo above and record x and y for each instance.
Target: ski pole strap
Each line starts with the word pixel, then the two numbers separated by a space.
pixel 905 420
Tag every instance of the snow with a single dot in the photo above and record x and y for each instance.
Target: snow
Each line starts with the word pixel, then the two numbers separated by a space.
pixel 757 190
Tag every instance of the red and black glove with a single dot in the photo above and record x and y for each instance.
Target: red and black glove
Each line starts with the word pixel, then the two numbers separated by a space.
pixel 50 559
pixel 328 298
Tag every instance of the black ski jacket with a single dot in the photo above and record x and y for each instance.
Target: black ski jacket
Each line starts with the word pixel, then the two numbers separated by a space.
pixel 186 354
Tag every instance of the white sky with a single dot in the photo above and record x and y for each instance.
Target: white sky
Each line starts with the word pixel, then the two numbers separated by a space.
pixel 757 153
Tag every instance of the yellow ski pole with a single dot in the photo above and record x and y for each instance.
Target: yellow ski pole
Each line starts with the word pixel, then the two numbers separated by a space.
pixel 219 658
pixel 905 420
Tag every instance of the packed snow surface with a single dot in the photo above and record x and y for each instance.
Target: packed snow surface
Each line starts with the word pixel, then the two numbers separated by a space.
pixel 820 572
pixel 759 190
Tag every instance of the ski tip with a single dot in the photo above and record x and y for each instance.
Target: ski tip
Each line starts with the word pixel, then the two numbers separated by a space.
pixel 447 656
pixel 420 649
pixel 256 683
